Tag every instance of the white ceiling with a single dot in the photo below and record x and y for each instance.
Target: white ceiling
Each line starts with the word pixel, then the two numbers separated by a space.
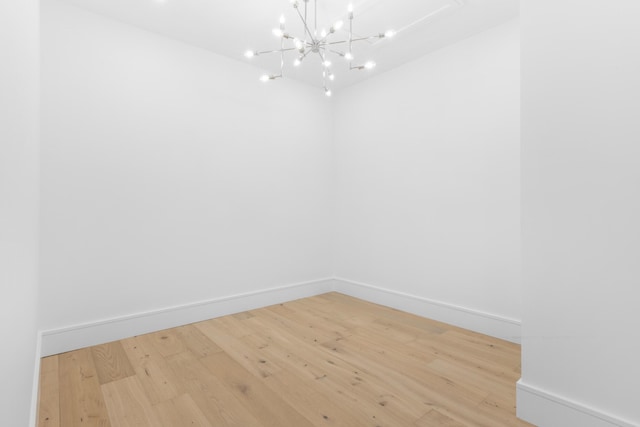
pixel 232 27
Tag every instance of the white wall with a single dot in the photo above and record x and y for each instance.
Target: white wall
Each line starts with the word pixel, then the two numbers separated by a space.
pixel 171 175
pixel 18 207
pixel 428 176
pixel 581 212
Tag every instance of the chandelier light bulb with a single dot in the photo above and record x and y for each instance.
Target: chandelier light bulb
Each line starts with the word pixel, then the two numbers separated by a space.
pixel 323 33
pixel 294 3
pixel 389 33
pixel 278 32
pixel 332 77
pixel 282 20
pixel 348 56
pixel 369 65
pixel 350 8
pixel 298 44
pixel 264 78
pixel 297 62
pixel 327 63
pixel 249 54
pixel 327 92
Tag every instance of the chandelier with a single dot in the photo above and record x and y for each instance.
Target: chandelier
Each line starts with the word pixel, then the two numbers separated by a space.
pixel 322 43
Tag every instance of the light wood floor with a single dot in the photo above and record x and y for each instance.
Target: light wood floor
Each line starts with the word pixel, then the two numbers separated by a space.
pixel 329 360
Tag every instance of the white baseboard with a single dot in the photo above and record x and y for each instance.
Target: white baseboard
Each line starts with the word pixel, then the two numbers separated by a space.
pixel 87 334
pixel 474 320
pixel 98 332
pixel 545 409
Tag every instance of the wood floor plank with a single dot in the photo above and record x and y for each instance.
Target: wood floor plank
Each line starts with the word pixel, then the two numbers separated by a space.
pixel 324 361
pixel 340 382
pixel 128 405
pixel 49 398
pixel 499 407
pixel 167 342
pixel 111 362
pixel 391 354
pixel 182 411
pixel 467 375
pixel 81 401
pixel 316 406
pixel 410 372
pixel 135 350
pixel 256 397
pixel 492 350
pixel 242 316
pixel 157 382
pixel 196 342
pixel 435 419
pixel 433 387
pixel 295 326
pixel 216 401
pixel 225 336
pixel 383 332
pixel 150 366
pixel 321 326
pixel 378 311
pixel 407 385
pixel 450 351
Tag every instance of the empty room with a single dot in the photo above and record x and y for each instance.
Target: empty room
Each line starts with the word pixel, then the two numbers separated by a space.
pixel 316 213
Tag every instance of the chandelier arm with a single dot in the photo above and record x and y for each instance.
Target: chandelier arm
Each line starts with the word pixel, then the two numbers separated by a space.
pixel 324 72
pixel 305 54
pixel 325 39
pixel 304 21
pixel 275 51
pixel 322 57
pixel 350 36
pixel 367 65
pixel 359 39
pixel 281 56
pixel 354 40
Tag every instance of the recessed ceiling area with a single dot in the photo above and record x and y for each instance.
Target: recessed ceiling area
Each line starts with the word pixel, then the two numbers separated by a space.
pixel 231 28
